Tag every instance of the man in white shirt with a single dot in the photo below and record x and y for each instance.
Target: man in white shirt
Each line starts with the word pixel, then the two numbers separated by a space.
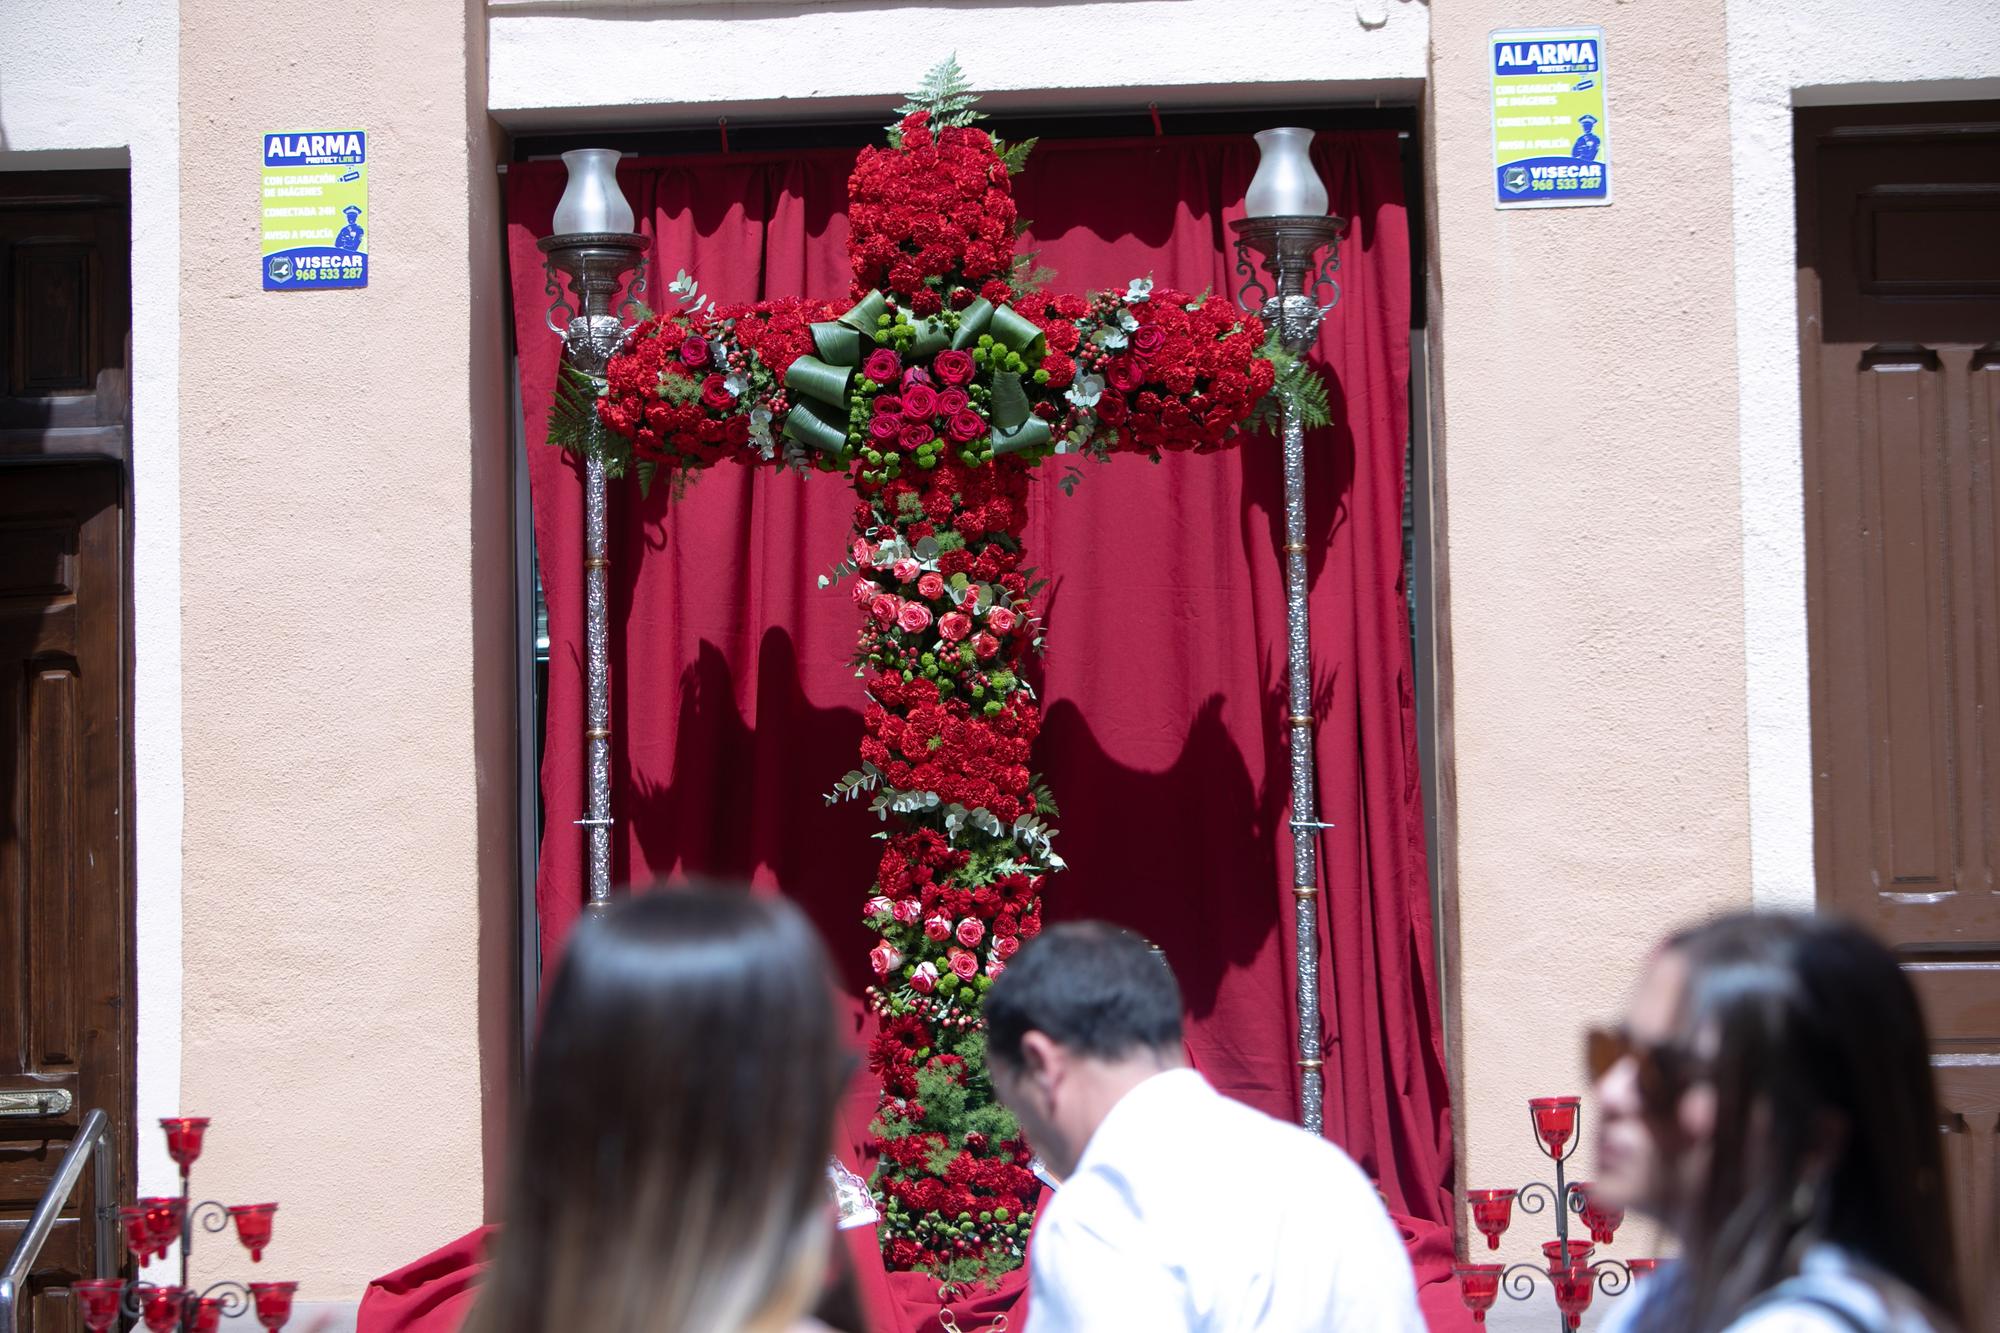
pixel 1179 1209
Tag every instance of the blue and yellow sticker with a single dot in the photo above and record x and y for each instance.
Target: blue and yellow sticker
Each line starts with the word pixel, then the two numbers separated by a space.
pixel 1551 131
pixel 315 210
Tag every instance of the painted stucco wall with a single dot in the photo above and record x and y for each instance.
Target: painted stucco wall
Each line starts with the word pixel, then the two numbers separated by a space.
pixel 344 525
pixel 52 120
pixel 1786 53
pixel 643 62
pixel 1586 412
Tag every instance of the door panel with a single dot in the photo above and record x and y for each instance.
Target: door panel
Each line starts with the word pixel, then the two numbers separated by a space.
pixel 1899 289
pixel 64 958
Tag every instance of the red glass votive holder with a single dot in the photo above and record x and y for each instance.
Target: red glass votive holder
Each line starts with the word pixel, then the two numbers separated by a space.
pixel 274 1302
pixel 138 1235
pixel 253 1227
pixel 1642 1267
pixel 207 1315
pixel 1492 1210
pixel 1574 1288
pixel 1563 1254
pixel 162 1308
pixel 184 1138
pixel 1479 1287
pixel 164 1214
pixel 1555 1121
pixel 1602 1221
pixel 97 1300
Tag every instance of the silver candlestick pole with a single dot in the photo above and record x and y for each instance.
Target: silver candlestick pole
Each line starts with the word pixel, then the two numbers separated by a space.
pixel 1290 232
pixel 595 263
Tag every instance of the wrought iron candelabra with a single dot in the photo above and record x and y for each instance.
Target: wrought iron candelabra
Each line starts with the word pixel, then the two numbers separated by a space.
pixel 1569 1268
pixel 154 1226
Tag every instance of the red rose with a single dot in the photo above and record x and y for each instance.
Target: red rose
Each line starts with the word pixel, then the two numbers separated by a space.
pixel 970 931
pixel 915 436
pixel 955 626
pixel 963 965
pixel 951 402
pixel 1111 411
pixel 883 365
pixel 885 430
pixel 715 394
pixel 1124 373
pixel 694 352
pixel 985 647
pixel 913 617
pixel 920 400
pixel 931 586
pixel 914 376
pixel 964 427
pixel 1147 339
pixel 953 366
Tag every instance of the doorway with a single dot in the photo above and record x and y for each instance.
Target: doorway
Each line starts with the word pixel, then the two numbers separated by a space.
pixel 1899 290
pixel 66 926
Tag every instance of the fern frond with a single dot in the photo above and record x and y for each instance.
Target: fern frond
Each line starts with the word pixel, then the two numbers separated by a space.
pixel 946 93
pixel 1296 385
pixel 1014 156
pixel 573 414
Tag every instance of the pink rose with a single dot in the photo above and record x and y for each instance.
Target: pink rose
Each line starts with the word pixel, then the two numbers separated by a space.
pixel 920 400
pixel 1000 620
pixel 938 928
pixel 953 366
pixel 994 967
pixel 955 626
pixel 906 570
pixel 915 375
pixel 1006 945
pixel 930 586
pixel 985 647
pixel 915 436
pixel 925 979
pixel 694 352
pixel 914 617
pixel 963 965
pixel 861 551
pixel 907 910
pixel 885 430
pixel 865 593
pixel 953 401
pixel 970 931
pixel 877 904
pixel 883 609
pixel 882 366
pixel 964 427
pixel 884 958
pixel 1148 339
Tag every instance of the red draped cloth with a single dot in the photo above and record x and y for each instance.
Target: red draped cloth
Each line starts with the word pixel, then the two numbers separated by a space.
pixel 735 708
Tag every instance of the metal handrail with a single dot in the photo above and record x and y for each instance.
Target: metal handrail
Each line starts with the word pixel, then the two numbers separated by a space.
pixel 91 1144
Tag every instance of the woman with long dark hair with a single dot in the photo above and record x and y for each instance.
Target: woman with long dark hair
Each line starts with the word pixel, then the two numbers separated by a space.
pixel 670 1170
pixel 1769 1099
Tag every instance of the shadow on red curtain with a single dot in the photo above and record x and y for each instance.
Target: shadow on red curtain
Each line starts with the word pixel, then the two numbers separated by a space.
pixel 734 710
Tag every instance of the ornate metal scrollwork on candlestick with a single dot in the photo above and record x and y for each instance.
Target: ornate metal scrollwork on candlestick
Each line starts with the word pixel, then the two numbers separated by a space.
pixel 596 264
pixel 1289 246
pixel 1569 1268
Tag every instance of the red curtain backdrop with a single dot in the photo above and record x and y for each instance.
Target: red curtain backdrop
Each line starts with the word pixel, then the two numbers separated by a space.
pixel 734 709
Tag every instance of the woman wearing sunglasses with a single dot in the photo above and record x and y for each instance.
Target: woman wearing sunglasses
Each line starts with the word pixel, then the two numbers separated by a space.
pixel 1769 1100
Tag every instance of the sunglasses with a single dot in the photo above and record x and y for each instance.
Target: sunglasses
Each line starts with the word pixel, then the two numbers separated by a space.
pixel 1664 1073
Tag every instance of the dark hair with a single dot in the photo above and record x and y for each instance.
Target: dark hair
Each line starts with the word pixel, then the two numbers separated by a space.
pixel 670 1170
pixel 1091 986
pixel 1811 1037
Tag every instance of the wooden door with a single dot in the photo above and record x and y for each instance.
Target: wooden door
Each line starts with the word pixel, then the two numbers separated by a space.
pixel 1899 280
pixel 66 1024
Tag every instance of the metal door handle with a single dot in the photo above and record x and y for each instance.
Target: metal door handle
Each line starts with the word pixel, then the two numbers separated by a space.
pixel 39 1104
